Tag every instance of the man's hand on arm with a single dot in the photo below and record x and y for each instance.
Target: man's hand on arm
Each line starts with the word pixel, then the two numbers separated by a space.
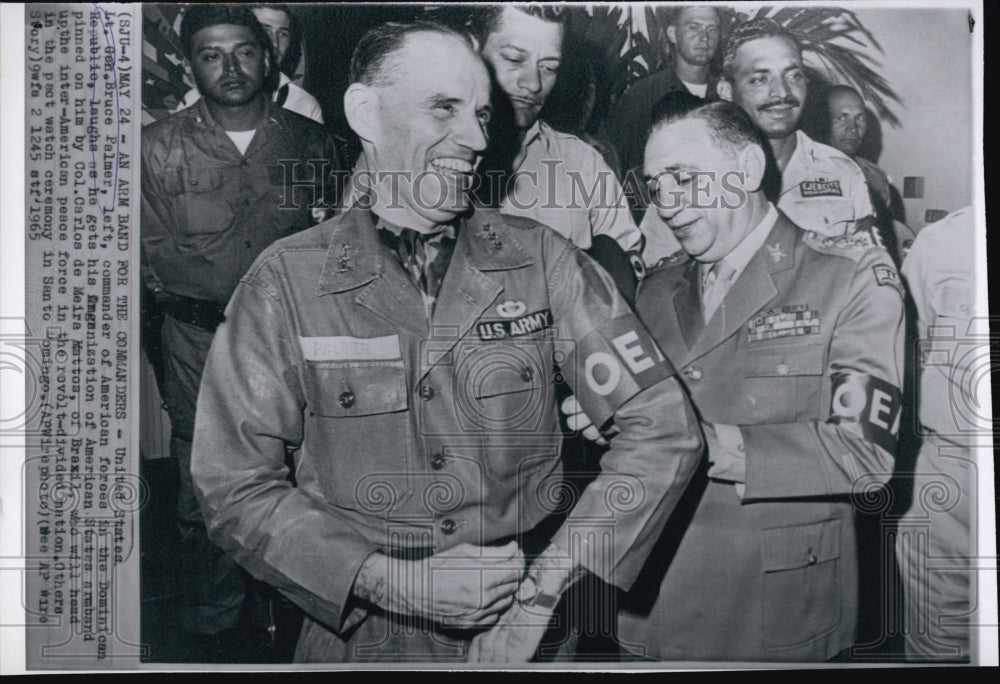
pixel 465 586
pixel 515 637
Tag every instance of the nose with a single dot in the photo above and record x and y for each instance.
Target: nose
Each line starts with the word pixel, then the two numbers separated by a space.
pixel 230 63
pixel 470 133
pixel 779 88
pixel 528 79
pixel 667 197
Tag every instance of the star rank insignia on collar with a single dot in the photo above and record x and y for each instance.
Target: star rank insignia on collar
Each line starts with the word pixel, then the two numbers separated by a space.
pixel 776 253
pixel 491 237
pixel 345 263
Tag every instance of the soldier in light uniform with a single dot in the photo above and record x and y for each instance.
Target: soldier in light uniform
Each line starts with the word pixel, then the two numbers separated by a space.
pixel 790 345
pixel 935 543
pixel 409 353
pixel 822 190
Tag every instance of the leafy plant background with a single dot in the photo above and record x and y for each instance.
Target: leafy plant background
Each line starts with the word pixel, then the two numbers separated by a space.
pixel 603 50
pixel 603 56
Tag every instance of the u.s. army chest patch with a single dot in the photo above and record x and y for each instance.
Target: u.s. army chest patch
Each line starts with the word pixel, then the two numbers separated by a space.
pixel 785 321
pixel 820 188
pixel 514 327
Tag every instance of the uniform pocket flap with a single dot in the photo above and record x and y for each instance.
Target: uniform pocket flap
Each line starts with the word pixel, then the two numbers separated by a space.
pixel 953 300
pixel 507 379
pixel 787 548
pixel 337 389
pixel 785 360
pixel 202 180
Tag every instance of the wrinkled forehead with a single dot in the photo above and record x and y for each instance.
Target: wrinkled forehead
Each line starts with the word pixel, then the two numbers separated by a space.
pixel 771 52
pixel 430 62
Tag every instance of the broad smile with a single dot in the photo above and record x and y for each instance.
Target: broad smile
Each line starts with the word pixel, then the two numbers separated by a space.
pixel 451 166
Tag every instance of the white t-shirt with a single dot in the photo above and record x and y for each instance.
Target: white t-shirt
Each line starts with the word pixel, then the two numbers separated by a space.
pixel 241 139
pixel 699 89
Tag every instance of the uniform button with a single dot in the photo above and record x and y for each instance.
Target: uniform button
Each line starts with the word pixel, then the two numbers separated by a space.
pixel 527 374
pixel 782 369
pixel 426 392
pixel 248 244
pixel 347 399
pixel 693 373
pixel 437 461
pixel 194 181
pixel 812 557
pixel 448 526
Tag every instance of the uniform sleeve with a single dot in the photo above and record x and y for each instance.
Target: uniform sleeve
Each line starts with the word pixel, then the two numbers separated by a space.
pixel 617 373
pixel 250 406
pixel 609 213
pixel 853 448
pixel 157 219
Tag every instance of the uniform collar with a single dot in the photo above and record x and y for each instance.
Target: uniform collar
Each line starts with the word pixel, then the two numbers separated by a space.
pixel 356 256
pixel 741 255
pixel 534 132
pixel 203 121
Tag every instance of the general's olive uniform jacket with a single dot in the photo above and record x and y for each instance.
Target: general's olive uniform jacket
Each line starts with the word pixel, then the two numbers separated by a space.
pixel 415 435
pixel 804 355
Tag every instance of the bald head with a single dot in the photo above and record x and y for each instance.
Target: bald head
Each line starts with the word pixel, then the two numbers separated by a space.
pixel 848 119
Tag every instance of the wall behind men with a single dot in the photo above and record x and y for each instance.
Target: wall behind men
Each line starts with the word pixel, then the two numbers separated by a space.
pixel 927 60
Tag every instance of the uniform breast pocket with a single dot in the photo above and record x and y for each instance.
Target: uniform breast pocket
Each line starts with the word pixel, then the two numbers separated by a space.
pixel 358 432
pixel 801 583
pixel 204 210
pixel 782 382
pixel 506 395
pixel 952 302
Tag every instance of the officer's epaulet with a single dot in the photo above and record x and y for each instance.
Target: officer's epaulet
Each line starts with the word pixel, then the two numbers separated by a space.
pixel 852 246
pixel 675 259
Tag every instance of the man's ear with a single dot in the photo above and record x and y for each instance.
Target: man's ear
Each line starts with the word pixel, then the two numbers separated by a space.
pixel 672 36
pixel 725 90
pixel 188 71
pixel 361 110
pixel 753 162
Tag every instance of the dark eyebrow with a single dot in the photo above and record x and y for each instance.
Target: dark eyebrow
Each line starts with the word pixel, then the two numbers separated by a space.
pixel 238 46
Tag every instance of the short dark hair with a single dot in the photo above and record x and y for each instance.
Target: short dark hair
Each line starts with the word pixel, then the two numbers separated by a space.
pixel 294 51
pixel 729 126
pixel 753 30
pixel 198 17
pixel 371 56
pixel 486 19
pixel 676 12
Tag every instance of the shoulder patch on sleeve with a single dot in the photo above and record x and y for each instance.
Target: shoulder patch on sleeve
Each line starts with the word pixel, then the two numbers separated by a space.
pixel 886 276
